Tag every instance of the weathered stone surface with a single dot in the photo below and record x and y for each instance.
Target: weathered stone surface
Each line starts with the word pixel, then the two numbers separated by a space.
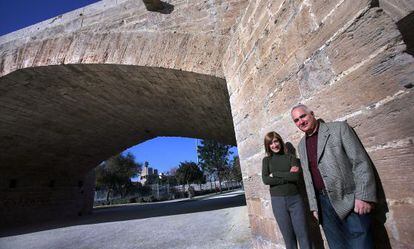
pixel 361 40
pixel 377 80
pixel 344 59
pixel 261 207
pixel 125 33
pixel 397 9
pixel 265 228
pixel 403 230
pixel 47 196
pixel 388 120
pixel 393 165
pixel 315 74
pixel 331 20
pixel 254 186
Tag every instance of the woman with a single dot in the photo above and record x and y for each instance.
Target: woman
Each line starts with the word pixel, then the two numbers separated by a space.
pixel 280 170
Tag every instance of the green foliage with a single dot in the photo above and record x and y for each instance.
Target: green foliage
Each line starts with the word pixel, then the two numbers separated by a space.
pixel 115 174
pixel 236 170
pixel 214 158
pixel 168 179
pixel 188 172
pixel 152 179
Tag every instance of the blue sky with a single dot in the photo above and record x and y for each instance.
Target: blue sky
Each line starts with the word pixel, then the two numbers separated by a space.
pixel 162 153
pixel 17 14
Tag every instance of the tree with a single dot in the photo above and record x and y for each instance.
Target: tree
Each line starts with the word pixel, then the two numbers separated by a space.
pixel 214 158
pixel 236 169
pixel 115 174
pixel 152 179
pixel 188 172
pixel 172 171
pixel 168 179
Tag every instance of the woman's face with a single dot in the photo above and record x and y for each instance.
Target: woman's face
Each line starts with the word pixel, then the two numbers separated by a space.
pixel 275 145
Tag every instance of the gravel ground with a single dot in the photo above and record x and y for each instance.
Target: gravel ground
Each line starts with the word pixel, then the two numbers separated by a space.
pixel 226 228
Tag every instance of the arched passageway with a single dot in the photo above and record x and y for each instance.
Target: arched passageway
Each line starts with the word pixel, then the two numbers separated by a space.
pixel 83 86
pixel 59 122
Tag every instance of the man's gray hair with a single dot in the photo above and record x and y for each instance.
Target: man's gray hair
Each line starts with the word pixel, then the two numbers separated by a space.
pixel 304 107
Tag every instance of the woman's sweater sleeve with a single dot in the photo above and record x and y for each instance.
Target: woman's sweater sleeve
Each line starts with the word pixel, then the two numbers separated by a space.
pixel 288 176
pixel 266 172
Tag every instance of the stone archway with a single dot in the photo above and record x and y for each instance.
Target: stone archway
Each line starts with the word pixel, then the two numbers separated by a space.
pixel 83 86
pixel 346 59
pixel 59 122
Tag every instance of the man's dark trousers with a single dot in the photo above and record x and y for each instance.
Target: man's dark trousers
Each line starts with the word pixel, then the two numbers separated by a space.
pixel 354 232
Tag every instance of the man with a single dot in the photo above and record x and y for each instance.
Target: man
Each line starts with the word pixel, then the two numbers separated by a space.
pixel 339 179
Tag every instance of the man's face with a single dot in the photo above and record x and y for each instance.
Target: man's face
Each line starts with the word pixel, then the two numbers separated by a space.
pixel 304 120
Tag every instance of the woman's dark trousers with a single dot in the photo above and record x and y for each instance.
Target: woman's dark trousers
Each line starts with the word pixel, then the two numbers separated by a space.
pixel 289 212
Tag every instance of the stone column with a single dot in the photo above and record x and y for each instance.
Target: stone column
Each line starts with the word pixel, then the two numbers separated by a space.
pixel 347 61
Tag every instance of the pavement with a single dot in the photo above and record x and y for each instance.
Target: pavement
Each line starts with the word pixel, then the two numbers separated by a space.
pixel 213 222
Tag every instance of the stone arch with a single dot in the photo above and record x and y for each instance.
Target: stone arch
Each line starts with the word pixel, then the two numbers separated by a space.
pixel 144 62
pixel 125 33
pixel 67 104
pixel 59 122
pixel 344 58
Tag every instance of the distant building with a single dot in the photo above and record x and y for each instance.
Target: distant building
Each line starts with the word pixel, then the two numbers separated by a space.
pixel 147 172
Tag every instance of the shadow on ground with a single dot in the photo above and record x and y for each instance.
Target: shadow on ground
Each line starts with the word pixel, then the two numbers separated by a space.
pixel 136 211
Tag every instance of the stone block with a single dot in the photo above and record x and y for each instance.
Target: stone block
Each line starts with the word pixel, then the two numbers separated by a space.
pixel 362 39
pixel 251 146
pixel 315 73
pixel 322 9
pixel 388 119
pixel 393 167
pixel 254 164
pixel 260 243
pixel 400 226
pixel 299 28
pixel 254 187
pixel 292 22
pixel 397 9
pixel 260 207
pixel 266 228
pixel 376 80
pixel 330 17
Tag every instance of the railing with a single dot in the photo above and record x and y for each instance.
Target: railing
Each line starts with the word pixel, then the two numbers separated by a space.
pixel 162 192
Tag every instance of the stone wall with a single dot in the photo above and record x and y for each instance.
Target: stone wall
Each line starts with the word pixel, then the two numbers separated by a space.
pixel 115 70
pixel 397 9
pixel 81 87
pixel 31 197
pixel 344 59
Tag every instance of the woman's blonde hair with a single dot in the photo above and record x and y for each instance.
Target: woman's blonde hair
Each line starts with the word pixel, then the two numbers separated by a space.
pixel 268 140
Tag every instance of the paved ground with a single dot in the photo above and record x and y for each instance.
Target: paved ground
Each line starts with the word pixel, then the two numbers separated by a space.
pixel 215 222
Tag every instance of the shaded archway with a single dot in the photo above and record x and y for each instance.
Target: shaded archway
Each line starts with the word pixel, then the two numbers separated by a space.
pixel 59 122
